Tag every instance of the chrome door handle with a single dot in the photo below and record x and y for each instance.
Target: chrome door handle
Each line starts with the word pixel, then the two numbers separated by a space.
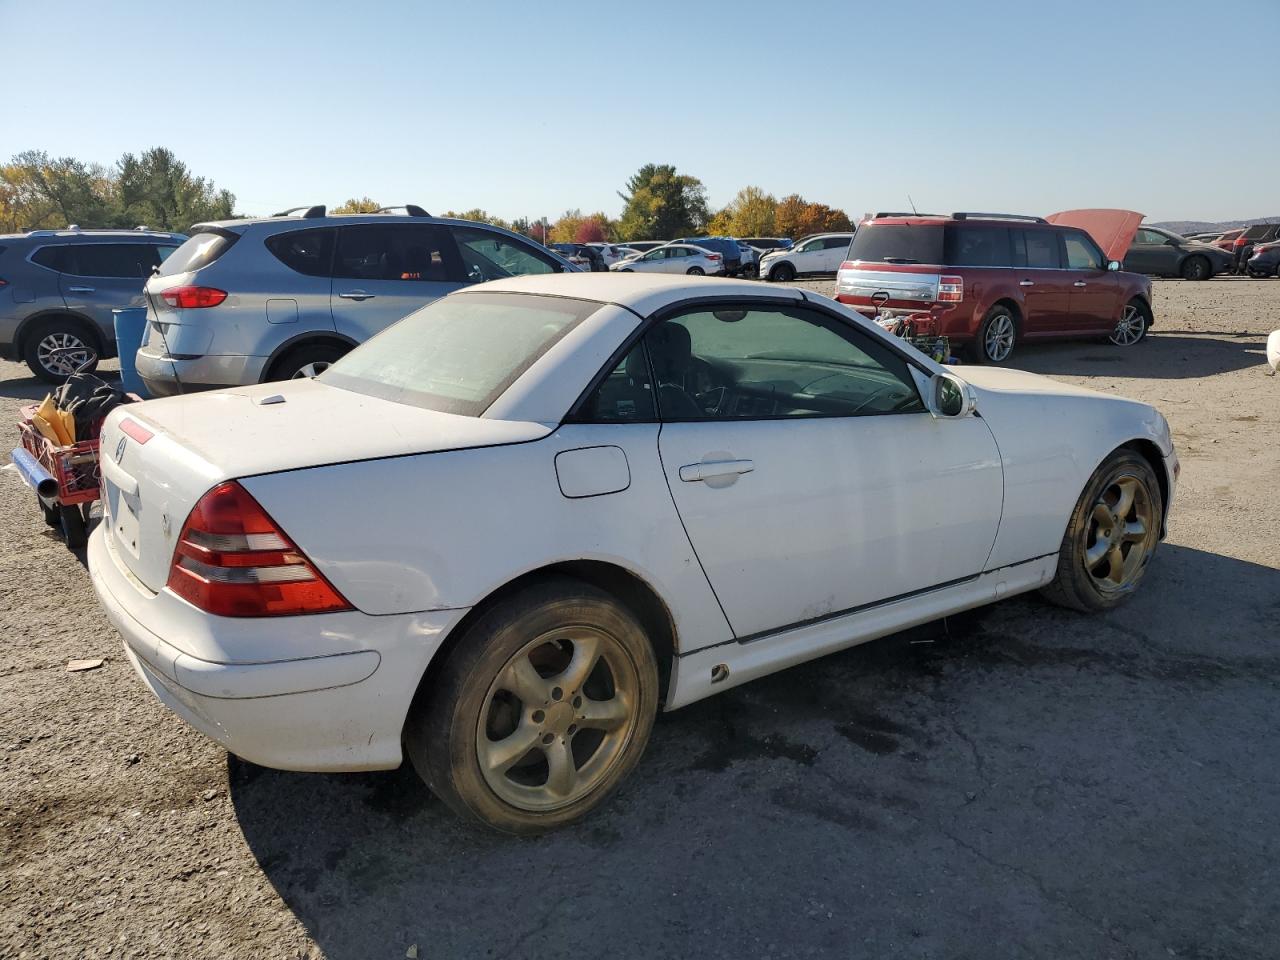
pixel 79 289
pixel 1026 283
pixel 1079 283
pixel 711 469
pixel 356 295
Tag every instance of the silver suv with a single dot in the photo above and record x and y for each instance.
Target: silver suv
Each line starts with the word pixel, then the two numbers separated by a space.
pixel 58 288
pixel 246 301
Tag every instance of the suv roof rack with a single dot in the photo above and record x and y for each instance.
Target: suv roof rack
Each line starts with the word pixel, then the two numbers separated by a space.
pixel 901 213
pixel 411 209
pixel 76 229
pixel 310 213
pixel 969 215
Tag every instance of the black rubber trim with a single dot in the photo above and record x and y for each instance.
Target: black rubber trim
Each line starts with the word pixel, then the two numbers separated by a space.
pixel 848 611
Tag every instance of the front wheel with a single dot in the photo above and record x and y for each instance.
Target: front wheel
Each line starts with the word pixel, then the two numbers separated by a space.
pixel 541 710
pixel 1133 324
pixel 996 336
pixel 1112 536
pixel 782 273
pixel 1196 268
pixel 696 272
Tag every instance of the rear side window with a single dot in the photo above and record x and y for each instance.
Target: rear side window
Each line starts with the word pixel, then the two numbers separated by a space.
pixel 50 257
pixel 119 260
pixel 898 243
pixel 202 249
pixel 309 252
pixel 977 246
pixel 1036 249
pixel 625 395
pixel 413 253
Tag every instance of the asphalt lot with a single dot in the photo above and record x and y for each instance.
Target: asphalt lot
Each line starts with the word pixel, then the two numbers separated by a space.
pixel 1022 782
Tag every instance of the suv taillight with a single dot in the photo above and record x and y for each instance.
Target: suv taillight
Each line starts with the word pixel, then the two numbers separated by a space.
pixel 232 560
pixel 1240 241
pixel 193 298
pixel 950 289
pixel 3 283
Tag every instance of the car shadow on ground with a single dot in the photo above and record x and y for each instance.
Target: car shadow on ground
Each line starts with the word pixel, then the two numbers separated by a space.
pixel 1020 775
pixel 1162 356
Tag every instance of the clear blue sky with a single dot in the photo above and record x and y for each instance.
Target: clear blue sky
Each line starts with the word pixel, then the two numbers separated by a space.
pixel 529 108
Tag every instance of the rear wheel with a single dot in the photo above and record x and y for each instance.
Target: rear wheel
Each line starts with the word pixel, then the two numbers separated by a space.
pixel 306 361
pixel 996 336
pixel 58 347
pixel 1112 536
pixel 73 527
pixel 1132 326
pixel 1196 268
pixel 782 273
pixel 696 272
pixel 542 708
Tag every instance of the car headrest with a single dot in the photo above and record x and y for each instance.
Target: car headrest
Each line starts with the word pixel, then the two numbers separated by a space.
pixel 670 348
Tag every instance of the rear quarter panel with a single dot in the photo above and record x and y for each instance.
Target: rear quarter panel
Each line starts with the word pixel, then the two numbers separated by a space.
pixel 444 530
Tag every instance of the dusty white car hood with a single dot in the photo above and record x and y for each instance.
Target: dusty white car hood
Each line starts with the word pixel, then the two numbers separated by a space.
pixel 1006 380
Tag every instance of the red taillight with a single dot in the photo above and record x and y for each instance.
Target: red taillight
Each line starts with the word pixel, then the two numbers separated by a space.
pixel 712 256
pixel 950 289
pixel 3 282
pixel 232 560
pixel 1240 242
pixel 847 265
pixel 193 298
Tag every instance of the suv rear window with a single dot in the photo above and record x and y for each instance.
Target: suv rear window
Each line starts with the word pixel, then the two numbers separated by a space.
pixel 898 243
pixel 204 247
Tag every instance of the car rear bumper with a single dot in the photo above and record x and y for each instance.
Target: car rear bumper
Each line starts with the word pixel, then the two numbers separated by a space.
pixel 339 709
pixel 165 376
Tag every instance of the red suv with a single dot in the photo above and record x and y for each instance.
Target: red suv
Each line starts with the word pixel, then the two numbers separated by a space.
pixel 989 281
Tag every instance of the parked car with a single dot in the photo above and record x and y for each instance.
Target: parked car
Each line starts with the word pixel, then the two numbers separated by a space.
pixel 582 558
pixel 644 246
pixel 727 247
pixel 818 255
pixel 582 255
pixel 1242 246
pixel 1162 253
pixel 609 252
pixel 750 260
pixel 245 301
pixel 988 281
pixel 630 253
pixel 675 258
pixel 1227 240
pixel 1265 261
pixel 764 244
pixel 58 288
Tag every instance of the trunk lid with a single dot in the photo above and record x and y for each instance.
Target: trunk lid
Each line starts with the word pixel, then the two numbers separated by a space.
pixel 1112 230
pixel 158 458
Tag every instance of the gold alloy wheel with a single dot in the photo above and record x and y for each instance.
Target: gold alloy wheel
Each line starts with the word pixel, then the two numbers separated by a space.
pixel 557 718
pixel 1121 534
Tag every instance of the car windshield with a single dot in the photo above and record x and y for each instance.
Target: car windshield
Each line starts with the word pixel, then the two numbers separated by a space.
pixel 460 353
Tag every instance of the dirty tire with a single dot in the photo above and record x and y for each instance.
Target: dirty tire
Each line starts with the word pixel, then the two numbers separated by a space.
pixel 72 523
pixel 59 333
pixel 448 729
pixel 307 360
pixel 782 273
pixel 997 336
pixel 1074 585
pixel 1196 268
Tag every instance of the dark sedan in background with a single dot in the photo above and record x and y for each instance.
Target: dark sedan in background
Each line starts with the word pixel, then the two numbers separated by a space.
pixel 1265 261
pixel 1161 253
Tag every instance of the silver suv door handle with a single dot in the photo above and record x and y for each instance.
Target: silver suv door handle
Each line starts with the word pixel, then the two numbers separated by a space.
pixel 709 469
pixel 356 295
pixel 79 289
pixel 1079 283
pixel 1026 283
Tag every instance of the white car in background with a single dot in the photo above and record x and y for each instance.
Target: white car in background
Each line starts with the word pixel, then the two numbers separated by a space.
pixel 508 529
pixel 630 253
pixel 820 254
pixel 674 258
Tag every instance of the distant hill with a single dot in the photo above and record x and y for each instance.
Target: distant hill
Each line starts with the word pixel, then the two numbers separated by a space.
pixel 1206 226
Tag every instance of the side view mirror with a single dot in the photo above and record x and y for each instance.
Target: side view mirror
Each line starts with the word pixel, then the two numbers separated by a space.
pixel 1113 265
pixel 950 397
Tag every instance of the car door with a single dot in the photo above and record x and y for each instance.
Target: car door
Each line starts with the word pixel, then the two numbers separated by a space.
pixel 1151 253
pixel 1095 291
pixel 652 262
pixel 384 271
pixel 100 277
pixel 833 251
pixel 809 477
pixel 806 256
pixel 1045 285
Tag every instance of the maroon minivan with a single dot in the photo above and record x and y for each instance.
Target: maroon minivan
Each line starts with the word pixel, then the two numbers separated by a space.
pixel 989 281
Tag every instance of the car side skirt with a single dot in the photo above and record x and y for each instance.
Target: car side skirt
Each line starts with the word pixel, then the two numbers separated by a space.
pixel 704 672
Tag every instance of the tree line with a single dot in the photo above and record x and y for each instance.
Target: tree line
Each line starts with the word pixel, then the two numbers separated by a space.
pixel 157 190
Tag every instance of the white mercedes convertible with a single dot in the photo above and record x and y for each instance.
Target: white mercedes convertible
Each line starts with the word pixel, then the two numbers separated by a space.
pixel 503 533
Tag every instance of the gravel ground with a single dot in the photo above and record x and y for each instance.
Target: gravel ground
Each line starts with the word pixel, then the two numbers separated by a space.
pixel 1024 782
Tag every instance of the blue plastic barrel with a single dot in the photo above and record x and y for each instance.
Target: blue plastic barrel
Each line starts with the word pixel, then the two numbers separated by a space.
pixel 131 323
